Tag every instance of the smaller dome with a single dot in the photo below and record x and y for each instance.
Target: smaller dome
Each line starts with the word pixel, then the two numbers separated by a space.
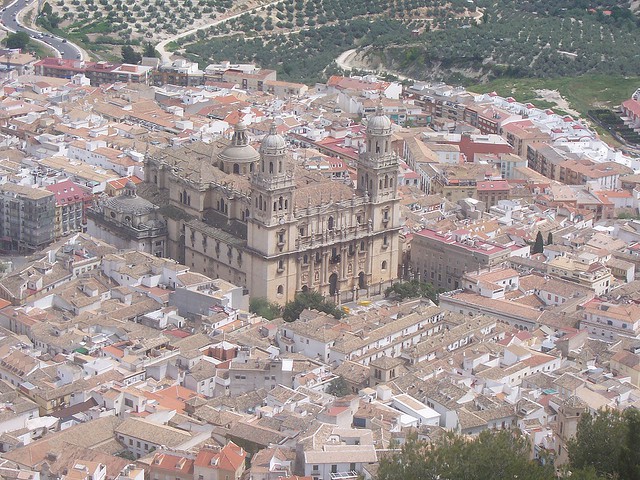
pixel 273 143
pixel 239 150
pixel 379 124
pixel 130 204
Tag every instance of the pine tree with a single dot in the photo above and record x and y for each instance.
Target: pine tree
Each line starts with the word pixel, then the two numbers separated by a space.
pixel 538 246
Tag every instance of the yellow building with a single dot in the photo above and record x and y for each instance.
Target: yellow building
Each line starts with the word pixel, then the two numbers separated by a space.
pixel 258 220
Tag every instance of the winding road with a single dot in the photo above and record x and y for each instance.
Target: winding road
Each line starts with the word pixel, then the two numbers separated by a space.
pixel 11 22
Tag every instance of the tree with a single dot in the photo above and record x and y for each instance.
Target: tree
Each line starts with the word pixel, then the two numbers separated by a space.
pixel 489 456
pixel 538 246
pixel 309 300
pixel 338 387
pixel 129 55
pixel 17 40
pixel 598 442
pixel 149 50
pixel 263 307
pixel 630 451
pixel 412 289
pixel 550 239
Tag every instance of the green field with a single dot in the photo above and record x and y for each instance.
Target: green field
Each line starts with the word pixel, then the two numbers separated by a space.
pixel 583 93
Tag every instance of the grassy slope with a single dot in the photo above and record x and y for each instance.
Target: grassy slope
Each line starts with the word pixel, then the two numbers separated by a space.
pixel 583 93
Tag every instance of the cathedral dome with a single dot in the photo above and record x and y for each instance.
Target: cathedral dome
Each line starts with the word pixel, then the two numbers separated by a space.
pixel 130 204
pixel 239 150
pixel 273 143
pixel 379 124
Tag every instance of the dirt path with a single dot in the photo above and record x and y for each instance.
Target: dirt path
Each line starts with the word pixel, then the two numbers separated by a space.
pixel 555 97
pixel 162 46
pixel 354 60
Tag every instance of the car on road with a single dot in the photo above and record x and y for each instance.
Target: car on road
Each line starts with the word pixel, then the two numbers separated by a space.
pixel 64 40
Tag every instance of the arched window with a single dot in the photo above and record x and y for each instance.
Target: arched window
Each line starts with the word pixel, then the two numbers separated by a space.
pixel 330 223
pixel 386 181
pixel 286 204
pixel 280 290
pixel 280 203
pixel 270 167
pixel 236 168
pixel 377 147
pixel 384 265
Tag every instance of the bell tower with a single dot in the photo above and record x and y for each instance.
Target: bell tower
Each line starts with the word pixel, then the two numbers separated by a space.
pixel 272 183
pixel 378 165
pixel 271 224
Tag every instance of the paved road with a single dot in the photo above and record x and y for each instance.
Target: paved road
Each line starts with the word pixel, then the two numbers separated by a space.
pixel 10 20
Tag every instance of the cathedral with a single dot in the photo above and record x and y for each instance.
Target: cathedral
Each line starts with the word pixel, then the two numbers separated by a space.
pixel 257 219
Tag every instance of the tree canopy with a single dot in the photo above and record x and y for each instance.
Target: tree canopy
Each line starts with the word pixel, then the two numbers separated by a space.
pixel 489 456
pixel 149 50
pixel 17 40
pixel 129 55
pixel 263 307
pixel 538 246
pixel 338 387
pixel 412 289
pixel 309 300
pixel 608 443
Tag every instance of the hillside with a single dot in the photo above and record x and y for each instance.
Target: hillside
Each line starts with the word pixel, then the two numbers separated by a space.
pixel 533 38
pixel 456 41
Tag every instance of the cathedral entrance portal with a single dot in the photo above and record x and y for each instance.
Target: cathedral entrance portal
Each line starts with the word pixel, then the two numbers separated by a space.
pixel 333 284
pixel 362 283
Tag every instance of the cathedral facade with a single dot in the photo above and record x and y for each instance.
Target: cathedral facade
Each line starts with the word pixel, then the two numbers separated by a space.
pixel 256 219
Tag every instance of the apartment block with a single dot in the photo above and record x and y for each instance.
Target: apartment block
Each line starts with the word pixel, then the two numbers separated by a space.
pixel 27 217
